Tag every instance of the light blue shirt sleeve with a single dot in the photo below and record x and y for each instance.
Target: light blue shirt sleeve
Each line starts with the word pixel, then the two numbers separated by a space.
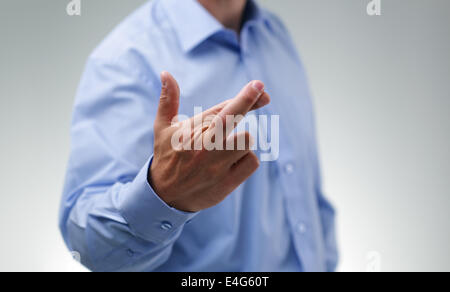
pixel 112 217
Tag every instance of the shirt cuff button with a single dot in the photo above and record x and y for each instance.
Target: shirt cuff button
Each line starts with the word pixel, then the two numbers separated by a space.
pixel 166 226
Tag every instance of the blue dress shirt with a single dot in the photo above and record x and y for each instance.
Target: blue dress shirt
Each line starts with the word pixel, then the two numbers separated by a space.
pixel 278 220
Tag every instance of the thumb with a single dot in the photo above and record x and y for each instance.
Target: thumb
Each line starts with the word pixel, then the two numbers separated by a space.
pixel 168 102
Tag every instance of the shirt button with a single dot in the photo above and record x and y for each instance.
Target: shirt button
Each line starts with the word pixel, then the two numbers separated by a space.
pixel 130 253
pixel 301 228
pixel 289 168
pixel 166 226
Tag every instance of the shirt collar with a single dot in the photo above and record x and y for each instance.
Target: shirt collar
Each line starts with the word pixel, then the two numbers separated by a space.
pixel 193 24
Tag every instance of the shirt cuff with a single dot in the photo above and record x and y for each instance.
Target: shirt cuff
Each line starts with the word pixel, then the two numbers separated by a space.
pixel 147 215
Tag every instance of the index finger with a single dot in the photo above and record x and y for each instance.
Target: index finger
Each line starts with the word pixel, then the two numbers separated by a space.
pixel 244 101
pixel 237 108
pixel 213 111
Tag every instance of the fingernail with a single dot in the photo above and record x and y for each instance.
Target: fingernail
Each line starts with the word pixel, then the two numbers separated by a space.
pixel 259 86
pixel 164 79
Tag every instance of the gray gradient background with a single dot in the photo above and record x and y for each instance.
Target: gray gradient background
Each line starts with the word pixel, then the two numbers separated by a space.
pixel 381 87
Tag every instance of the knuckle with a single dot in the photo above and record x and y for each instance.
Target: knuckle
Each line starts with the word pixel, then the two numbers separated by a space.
pixel 248 136
pixel 249 140
pixel 199 156
pixel 213 170
pixel 208 120
pixel 249 97
pixel 254 161
pixel 164 95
